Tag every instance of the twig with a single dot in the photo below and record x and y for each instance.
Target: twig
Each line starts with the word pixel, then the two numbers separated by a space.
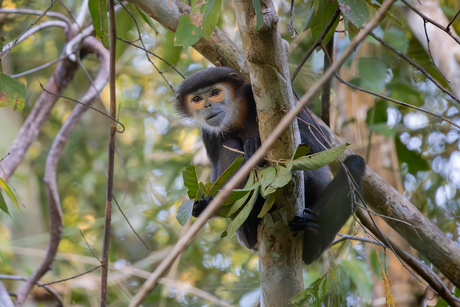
pixel 85 105
pixel 13 43
pixel 111 155
pixel 126 218
pixel 151 282
pixel 431 55
pixel 40 284
pixel 410 61
pixel 43 25
pixel 89 246
pixel 426 18
pixel 70 278
pixel 31 71
pixel 150 52
pixel 355 238
pixel 450 22
pixel 36 12
pixel 318 41
pixel 143 45
pixel 290 25
pixel 326 93
pixel 396 101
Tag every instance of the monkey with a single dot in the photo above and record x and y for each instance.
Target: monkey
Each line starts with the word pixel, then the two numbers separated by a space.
pixel 222 102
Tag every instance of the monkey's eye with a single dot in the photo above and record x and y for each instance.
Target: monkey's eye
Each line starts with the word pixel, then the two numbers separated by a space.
pixel 215 92
pixel 196 99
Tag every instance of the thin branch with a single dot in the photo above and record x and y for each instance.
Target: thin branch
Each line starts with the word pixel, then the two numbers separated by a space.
pixel 111 155
pixel 355 238
pixel 150 52
pixel 89 246
pixel 318 41
pixel 3 54
pixel 395 101
pixel 80 20
pixel 126 218
pixel 50 290
pixel 420 68
pixel 426 18
pixel 36 12
pixel 43 25
pixel 85 105
pixel 70 278
pixel 452 21
pixel 290 25
pixel 151 282
pixel 431 55
pixel 33 70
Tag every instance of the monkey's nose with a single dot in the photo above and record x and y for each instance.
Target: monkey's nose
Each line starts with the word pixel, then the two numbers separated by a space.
pixel 207 105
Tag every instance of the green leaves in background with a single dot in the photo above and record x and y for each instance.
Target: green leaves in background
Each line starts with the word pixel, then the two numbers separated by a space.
pixel 320 14
pixel 201 22
pixel 171 53
pixel 259 15
pixel 372 73
pixel 98 11
pixel 355 10
pixel 12 93
pixel 414 160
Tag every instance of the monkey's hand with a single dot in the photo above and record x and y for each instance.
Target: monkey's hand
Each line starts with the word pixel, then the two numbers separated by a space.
pixel 308 220
pixel 200 205
pixel 250 147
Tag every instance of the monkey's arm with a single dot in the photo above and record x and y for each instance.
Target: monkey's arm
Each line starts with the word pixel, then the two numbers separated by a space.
pixel 323 219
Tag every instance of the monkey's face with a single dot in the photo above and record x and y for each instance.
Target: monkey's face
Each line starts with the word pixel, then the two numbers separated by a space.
pixel 213 106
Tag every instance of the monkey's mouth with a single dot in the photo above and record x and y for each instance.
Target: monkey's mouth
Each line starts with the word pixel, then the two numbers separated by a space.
pixel 212 116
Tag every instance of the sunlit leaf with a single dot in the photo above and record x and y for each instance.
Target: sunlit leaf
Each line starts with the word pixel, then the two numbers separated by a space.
pixel 265 176
pixel 9 193
pixel 187 33
pixel 171 53
pixel 190 180
pixel 184 212
pixel 12 93
pixel 319 16
pixel 319 159
pixel 211 16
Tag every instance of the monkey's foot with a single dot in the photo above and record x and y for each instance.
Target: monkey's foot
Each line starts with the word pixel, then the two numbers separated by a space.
pixel 308 220
pixel 200 205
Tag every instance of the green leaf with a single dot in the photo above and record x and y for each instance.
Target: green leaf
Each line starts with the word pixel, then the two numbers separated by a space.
pixel 268 204
pixel 243 215
pixel 302 150
pixel 283 176
pixel 265 176
pixel 171 53
pixel 320 14
pixel 9 193
pixel 204 188
pixel 319 159
pixel 259 15
pixel 373 73
pixel 397 39
pixel 98 11
pixel 414 160
pixel 187 33
pixel 225 175
pixel 147 20
pixel 12 93
pixel 377 6
pixel 237 205
pixel 355 10
pixel 190 180
pixel 239 197
pixel 211 16
pixel 3 205
pixel 184 212
pixel 310 293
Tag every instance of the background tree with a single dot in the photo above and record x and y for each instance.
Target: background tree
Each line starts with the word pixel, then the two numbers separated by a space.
pixel 156 146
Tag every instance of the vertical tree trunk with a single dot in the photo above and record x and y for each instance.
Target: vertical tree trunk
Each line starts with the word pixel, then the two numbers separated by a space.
pixel 280 262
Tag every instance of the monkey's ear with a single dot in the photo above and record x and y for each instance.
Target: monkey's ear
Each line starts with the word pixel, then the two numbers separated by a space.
pixel 234 75
pixel 178 96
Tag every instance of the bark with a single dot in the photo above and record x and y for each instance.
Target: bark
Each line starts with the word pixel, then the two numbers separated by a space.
pixel 280 262
pixel 379 195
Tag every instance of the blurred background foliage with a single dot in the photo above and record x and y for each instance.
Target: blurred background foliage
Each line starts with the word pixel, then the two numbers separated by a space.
pixel 157 145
